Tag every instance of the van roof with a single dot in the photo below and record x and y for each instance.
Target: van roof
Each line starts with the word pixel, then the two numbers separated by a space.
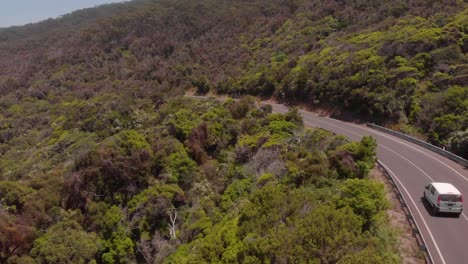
pixel 443 187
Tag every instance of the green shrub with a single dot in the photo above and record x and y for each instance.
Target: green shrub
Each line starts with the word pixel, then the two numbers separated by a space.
pixel 366 198
pixel 66 242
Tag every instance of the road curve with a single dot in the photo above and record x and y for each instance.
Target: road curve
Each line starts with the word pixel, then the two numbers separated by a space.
pixel 413 167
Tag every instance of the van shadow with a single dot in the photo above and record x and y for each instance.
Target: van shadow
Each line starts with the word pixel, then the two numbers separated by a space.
pixel 429 209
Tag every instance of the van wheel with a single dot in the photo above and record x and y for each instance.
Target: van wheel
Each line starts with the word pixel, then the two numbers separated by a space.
pixel 458 215
pixel 435 211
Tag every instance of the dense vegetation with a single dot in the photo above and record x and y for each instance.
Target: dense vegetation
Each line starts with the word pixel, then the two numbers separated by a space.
pixel 101 162
pixel 401 63
pixel 123 179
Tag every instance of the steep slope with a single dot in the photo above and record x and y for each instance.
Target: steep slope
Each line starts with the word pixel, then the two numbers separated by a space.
pixel 398 62
pixel 118 179
pixel 101 162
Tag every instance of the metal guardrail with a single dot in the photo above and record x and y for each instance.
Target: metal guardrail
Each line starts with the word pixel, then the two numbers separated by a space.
pixel 408 214
pixel 421 143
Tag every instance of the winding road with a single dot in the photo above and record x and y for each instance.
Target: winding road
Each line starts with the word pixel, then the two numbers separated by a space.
pixel 413 167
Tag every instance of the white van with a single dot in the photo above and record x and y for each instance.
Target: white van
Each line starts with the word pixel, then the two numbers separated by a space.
pixel 444 198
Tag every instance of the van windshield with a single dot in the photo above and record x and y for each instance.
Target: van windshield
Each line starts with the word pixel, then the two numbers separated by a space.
pixel 450 198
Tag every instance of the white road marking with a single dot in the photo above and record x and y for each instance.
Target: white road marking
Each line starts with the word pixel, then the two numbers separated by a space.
pixel 395 177
pixel 396 153
pixel 388 137
pixel 391 172
pixel 401 141
pixel 465 216
pixel 419 212
pixel 403 157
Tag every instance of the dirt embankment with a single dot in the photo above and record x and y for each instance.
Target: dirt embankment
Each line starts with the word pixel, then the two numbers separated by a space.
pixel 407 244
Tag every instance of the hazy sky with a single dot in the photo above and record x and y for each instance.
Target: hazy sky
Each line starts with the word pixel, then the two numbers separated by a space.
pixel 20 12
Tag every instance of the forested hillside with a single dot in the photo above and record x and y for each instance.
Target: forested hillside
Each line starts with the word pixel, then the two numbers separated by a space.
pixel 122 179
pixel 400 63
pixel 102 161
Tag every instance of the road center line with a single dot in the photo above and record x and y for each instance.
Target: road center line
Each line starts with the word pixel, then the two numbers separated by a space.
pixel 403 157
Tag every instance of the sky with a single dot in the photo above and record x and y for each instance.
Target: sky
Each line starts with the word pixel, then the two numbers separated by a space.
pixel 20 12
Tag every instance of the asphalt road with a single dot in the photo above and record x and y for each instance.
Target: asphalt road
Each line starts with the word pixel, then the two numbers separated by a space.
pixel 413 167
